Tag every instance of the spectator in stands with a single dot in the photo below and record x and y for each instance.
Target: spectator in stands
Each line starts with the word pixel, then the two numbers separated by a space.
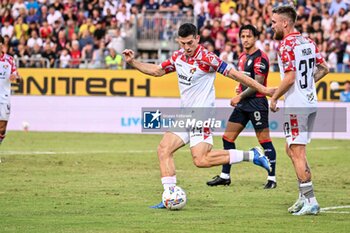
pixel 7 30
pixel 168 6
pixel 34 40
pixel 202 18
pixel 227 54
pixel 205 37
pixel 22 56
pixel 49 55
pixel 58 6
pixel 114 60
pixel 98 55
pixel 53 16
pixel 117 42
pixel 17 7
pixel 71 29
pixel 43 13
pixel 225 6
pixel 36 57
pixel 123 15
pixel 32 16
pixel 272 55
pixel 345 95
pixel 229 17
pixel 332 60
pixel 86 56
pixel 336 6
pixel 151 5
pixel 75 54
pixel 85 39
pixel 87 26
pixel 65 59
pixel 21 28
pixel 45 31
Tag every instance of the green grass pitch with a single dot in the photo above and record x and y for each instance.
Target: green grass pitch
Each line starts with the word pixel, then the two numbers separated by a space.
pixel 74 182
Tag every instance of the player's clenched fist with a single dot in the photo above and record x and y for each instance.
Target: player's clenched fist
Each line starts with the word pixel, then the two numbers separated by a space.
pixel 129 55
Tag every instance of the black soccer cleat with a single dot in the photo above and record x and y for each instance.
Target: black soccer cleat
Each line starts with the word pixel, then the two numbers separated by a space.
pixel 270 184
pixel 217 180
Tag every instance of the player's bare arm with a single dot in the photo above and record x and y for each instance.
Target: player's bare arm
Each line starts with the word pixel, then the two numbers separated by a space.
pixel 286 83
pixel 322 70
pixel 244 79
pixel 247 92
pixel 146 68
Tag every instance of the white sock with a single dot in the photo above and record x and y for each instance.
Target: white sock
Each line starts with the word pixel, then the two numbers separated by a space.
pixel 251 156
pixel 272 178
pixel 312 200
pixel 236 156
pixel 225 176
pixel 168 181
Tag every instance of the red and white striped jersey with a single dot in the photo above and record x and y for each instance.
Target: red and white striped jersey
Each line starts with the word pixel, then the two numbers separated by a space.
pixel 301 55
pixel 7 67
pixel 196 76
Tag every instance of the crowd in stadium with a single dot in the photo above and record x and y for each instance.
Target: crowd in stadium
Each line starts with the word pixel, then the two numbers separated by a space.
pixel 92 34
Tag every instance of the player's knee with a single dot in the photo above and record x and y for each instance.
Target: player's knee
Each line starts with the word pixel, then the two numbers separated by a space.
pixel 163 150
pixel 200 161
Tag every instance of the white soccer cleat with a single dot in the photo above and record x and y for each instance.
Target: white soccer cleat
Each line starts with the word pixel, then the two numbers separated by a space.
pixel 297 206
pixel 308 209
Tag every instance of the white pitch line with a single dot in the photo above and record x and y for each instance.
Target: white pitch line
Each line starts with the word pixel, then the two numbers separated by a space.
pixel 74 152
pixel 325 148
pixel 326 209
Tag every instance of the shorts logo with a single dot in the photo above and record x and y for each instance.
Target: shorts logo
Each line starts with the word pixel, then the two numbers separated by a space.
pixel 152 120
pixel 294 126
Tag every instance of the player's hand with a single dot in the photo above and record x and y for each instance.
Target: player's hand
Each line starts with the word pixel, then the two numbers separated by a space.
pixel 235 100
pixel 238 90
pixel 14 77
pixel 273 105
pixel 129 55
pixel 270 91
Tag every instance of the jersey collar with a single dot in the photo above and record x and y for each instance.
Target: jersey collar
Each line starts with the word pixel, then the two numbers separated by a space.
pixel 292 34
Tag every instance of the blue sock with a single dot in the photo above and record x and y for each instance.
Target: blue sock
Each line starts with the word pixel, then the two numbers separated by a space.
pixel 226 168
pixel 271 154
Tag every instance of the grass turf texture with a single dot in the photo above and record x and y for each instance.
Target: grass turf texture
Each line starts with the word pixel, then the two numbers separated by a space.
pixel 71 182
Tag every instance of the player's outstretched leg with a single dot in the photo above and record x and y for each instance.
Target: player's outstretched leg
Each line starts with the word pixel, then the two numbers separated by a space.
pixel 260 159
pixel 158 206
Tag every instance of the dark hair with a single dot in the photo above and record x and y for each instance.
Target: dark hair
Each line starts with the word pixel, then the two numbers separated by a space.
pixel 1 39
pixel 251 28
pixel 187 29
pixel 286 10
pixel 347 82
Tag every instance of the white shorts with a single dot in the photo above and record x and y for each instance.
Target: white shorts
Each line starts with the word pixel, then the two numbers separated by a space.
pixel 5 110
pixel 298 128
pixel 196 136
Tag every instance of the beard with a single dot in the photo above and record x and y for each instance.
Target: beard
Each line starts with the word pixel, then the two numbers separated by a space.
pixel 278 35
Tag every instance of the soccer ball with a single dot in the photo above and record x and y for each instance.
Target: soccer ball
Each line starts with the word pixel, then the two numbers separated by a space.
pixel 174 198
pixel 334 86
